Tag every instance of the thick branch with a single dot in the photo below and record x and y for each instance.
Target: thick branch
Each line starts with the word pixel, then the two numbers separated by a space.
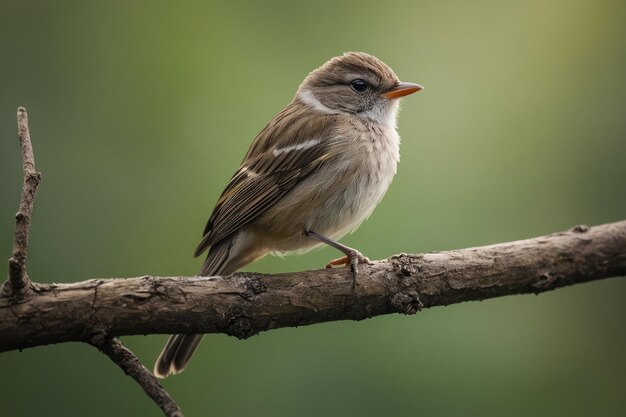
pixel 131 366
pixel 246 303
pixel 18 283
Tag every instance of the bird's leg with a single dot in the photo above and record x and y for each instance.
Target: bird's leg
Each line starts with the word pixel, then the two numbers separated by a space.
pixel 353 257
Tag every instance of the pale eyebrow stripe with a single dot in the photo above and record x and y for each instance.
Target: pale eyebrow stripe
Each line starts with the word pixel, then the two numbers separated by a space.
pixel 309 99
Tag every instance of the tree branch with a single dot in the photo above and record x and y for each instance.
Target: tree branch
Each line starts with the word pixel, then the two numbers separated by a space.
pixel 131 366
pixel 245 304
pixel 18 283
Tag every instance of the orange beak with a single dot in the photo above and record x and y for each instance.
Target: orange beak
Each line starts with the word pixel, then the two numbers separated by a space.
pixel 402 89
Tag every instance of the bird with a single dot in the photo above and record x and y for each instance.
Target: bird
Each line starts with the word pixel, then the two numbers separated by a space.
pixel 312 174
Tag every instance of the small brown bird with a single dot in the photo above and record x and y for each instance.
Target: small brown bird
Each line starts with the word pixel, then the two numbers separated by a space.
pixel 313 174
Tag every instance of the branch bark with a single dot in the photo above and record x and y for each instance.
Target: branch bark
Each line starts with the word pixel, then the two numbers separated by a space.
pixel 18 283
pixel 245 304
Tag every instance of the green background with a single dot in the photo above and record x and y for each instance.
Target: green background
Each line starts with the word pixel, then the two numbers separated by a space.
pixel 141 111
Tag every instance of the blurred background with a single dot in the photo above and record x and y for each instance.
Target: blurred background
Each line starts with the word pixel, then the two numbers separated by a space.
pixel 141 111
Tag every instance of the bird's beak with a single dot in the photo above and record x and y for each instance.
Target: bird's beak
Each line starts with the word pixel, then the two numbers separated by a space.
pixel 402 89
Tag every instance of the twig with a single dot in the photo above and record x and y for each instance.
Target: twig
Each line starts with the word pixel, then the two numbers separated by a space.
pixel 19 283
pixel 131 366
pixel 246 303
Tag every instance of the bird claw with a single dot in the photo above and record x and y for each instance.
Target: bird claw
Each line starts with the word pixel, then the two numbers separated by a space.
pixel 353 258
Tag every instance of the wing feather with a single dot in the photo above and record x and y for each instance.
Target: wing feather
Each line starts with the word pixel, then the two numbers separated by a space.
pixel 273 167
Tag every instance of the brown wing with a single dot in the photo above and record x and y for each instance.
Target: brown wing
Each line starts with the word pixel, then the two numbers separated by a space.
pixel 288 150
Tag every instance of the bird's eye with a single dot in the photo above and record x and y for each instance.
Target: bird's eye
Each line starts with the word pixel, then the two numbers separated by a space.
pixel 359 85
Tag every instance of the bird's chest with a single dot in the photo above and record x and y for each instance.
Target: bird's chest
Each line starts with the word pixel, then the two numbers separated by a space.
pixel 366 168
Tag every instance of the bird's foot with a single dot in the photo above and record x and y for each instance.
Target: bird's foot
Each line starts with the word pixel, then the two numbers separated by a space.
pixel 352 258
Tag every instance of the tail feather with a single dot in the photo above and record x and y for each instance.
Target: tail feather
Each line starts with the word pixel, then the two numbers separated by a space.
pixel 163 364
pixel 176 354
pixel 216 259
pixel 188 346
pixel 180 347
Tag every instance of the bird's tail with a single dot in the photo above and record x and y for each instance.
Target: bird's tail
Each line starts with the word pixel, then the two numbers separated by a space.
pixel 176 354
pixel 180 347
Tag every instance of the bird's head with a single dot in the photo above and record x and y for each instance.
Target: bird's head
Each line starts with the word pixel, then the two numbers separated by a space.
pixel 358 84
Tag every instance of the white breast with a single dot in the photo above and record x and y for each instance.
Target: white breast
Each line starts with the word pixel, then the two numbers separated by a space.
pixel 367 169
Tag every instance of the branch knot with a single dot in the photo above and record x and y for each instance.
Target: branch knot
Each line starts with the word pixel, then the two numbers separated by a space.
pixel 407 302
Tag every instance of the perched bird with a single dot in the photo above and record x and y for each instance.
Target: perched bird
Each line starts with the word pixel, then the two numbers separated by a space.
pixel 314 173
